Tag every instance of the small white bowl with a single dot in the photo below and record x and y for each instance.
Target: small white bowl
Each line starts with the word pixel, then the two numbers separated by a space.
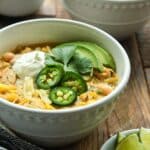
pixel 18 8
pixel 118 17
pixel 110 143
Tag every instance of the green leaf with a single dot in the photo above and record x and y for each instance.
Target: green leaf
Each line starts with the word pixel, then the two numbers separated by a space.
pixel 66 54
pixel 49 60
pixel 63 53
pixel 72 67
pixel 81 64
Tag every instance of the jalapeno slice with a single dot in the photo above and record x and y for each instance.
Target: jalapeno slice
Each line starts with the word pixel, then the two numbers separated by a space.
pixel 62 96
pixel 75 81
pixel 49 76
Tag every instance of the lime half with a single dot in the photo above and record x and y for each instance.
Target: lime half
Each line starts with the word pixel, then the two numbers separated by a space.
pixel 131 142
pixel 145 138
pixel 120 137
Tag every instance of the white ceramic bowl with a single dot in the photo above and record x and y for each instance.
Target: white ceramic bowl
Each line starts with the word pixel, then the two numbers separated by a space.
pixel 18 8
pixel 59 127
pixel 118 17
pixel 110 143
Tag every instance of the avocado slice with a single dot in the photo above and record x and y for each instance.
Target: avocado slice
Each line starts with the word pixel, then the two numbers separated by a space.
pixel 103 57
pixel 120 137
pixel 144 135
pixel 131 142
pixel 84 52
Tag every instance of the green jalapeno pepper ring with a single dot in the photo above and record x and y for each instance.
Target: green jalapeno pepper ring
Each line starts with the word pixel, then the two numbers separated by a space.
pixel 75 81
pixel 62 96
pixel 49 76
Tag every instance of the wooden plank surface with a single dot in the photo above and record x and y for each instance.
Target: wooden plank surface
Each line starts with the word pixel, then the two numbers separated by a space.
pixel 133 107
pixel 48 9
pixel 144 44
pixel 61 13
pixel 132 110
pixel 147 71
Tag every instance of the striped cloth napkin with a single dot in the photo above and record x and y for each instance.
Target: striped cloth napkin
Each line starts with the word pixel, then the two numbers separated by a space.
pixel 9 141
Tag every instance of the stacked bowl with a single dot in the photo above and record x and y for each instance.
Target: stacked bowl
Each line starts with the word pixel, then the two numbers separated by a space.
pixel 118 17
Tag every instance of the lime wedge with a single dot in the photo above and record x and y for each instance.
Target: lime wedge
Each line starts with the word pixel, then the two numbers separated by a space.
pixel 130 142
pixel 145 138
pixel 120 137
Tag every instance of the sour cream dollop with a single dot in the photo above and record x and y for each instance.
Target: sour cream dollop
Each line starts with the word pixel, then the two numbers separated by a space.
pixel 29 64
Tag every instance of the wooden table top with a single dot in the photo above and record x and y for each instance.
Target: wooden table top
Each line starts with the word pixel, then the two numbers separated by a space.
pixel 133 107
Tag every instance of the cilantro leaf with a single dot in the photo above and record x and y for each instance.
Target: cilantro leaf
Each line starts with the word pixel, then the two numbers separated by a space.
pixel 72 67
pixel 49 60
pixel 72 61
pixel 81 64
pixel 63 53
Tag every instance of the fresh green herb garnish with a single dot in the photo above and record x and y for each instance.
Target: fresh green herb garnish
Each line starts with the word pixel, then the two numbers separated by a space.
pixel 66 55
pixel 49 60
pixel 63 54
pixel 83 64
pixel 72 67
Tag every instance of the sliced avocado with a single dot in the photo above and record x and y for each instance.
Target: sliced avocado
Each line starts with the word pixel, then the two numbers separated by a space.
pixel 120 137
pixel 102 55
pixel 130 142
pixel 145 138
pixel 84 52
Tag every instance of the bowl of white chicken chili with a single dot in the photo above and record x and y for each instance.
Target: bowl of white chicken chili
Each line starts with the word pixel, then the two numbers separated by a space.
pixel 59 79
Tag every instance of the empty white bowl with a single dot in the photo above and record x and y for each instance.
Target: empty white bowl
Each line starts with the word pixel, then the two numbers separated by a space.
pixel 18 8
pixel 120 18
pixel 64 126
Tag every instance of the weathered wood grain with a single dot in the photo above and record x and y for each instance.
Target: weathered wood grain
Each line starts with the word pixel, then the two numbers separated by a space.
pixel 61 13
pixel 144 44
pixel 132 109
pixel 48 9
pixel 147 71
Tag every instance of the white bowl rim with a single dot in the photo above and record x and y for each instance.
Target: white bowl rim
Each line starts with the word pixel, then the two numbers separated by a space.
pixel 123 132
pixel 123 1
pixel 78 16
pixel 106 99
pixel 126 1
